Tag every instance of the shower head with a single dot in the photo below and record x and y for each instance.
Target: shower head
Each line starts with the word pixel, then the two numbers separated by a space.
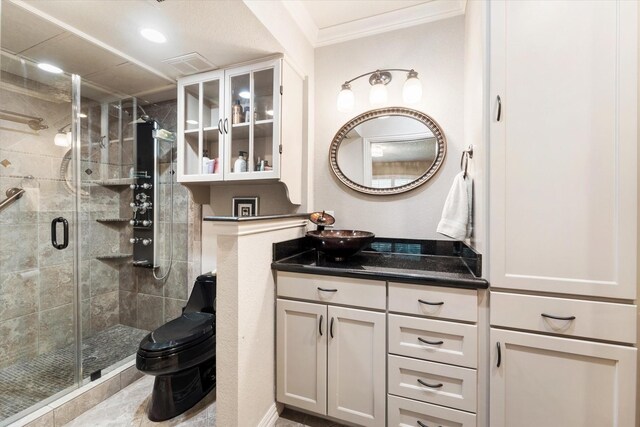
pixel 142 119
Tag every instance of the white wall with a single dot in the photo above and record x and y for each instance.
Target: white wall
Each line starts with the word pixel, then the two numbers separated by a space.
pixel 436 51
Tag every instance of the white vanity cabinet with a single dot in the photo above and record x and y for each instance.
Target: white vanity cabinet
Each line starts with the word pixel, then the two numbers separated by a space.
pixel 563 147
pixel 563 212
pixel 433 356
pixel 559 382
pixel 331 359
pixel 254 109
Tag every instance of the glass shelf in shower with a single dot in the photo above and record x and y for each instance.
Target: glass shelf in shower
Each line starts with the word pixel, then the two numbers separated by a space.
pixel 114 182
pixel 114 257
pixel 113 220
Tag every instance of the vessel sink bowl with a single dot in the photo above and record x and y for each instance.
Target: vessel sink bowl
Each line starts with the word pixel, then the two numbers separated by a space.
pixel 340 244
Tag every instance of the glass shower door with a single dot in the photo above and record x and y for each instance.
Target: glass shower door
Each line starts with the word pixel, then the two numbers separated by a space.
pixel 38 288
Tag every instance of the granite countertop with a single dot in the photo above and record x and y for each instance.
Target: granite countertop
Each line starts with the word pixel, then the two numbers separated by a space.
pixel 429 262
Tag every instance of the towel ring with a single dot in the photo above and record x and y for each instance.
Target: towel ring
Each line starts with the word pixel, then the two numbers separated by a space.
pixel 464 160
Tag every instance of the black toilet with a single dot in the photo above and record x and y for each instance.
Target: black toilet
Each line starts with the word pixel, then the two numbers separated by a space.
pixel 181 354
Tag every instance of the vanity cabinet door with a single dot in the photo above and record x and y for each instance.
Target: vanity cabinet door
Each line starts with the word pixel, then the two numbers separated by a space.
pixel 301 348
pixel 559 382
pixel 563 147
pixel 356 366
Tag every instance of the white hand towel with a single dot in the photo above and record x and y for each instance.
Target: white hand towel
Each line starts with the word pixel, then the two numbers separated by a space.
pixel 456 214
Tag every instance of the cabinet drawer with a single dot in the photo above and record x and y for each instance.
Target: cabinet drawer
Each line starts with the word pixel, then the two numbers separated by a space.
pixel 337 290
pixel 446 385
pixel 405 412
pixel 435 340
pixel 599 320
pixel 434 301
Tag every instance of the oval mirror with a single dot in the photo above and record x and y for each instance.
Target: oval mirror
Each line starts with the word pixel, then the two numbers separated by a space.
pixel 387 151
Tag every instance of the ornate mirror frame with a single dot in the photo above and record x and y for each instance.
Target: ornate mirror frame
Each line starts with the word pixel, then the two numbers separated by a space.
pixel 391 111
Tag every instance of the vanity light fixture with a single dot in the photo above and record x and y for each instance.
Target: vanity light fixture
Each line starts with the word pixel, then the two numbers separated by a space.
pixel 62 138
pixel 378 79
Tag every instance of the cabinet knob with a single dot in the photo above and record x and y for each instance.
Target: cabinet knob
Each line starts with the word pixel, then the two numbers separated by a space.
pixel 146 242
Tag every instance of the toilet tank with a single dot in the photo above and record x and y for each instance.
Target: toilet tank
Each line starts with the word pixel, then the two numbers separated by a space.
pixel 203 296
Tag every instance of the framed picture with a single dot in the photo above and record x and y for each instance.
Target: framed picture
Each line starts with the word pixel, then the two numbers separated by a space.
pixel 245 206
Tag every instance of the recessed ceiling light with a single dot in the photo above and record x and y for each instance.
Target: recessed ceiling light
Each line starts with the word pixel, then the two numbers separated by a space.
pixel 153 35
pixel 82 115
pixel 49 68
pixel 192 122
pixel 244 94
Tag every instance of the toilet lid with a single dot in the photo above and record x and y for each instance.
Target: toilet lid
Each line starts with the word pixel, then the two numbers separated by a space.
pixel 188 328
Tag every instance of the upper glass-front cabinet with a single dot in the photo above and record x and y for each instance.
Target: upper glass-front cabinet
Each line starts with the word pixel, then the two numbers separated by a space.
pixel 201 127
pixel 230 124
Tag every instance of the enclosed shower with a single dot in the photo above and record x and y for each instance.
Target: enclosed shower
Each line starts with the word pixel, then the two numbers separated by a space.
pixel 93 226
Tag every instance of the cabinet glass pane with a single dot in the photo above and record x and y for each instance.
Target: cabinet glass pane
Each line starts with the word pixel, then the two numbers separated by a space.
pixel 263 120
pixel 239 130
pixel 211 155
pixel 210 104
pixel 191 157
pixel 191 95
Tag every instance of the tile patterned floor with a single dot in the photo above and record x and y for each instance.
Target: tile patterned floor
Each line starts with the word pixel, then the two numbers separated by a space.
pixel 127 408
pixel 27 383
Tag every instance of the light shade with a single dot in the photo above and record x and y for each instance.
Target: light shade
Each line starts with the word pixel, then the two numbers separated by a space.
pixel 378 94
pixel 412 89
pixel 345 99
pixel 62 139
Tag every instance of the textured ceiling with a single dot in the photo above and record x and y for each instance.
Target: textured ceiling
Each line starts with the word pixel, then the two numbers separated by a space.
pixel 100 41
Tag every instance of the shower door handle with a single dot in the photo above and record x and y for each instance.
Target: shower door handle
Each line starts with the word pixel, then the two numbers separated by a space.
pixel 54 233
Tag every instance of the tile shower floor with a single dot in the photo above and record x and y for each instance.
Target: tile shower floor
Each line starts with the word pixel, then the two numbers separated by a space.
pixel 26 383
pixel 127 408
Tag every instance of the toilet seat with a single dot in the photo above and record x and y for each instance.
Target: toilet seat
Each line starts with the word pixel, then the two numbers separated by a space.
pixel 185 331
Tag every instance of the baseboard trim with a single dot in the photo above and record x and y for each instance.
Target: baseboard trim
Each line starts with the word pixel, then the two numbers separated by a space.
pixel 270 418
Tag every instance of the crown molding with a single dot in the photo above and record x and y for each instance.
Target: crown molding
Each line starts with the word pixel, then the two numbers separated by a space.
pixel 390 21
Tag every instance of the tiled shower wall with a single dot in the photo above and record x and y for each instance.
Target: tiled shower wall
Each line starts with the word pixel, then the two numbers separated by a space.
pixel 36 280
pixel 146 302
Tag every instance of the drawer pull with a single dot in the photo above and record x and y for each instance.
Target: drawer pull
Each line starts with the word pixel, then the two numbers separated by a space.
pixel 320 325
pixel 430 303
pixel 331 328
pixel 430 385
pixel 421 424
pixel 558 317
pixel 327 290
pixel 430 342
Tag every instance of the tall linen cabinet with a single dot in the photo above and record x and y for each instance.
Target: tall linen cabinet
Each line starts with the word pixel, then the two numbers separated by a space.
pixel 563 212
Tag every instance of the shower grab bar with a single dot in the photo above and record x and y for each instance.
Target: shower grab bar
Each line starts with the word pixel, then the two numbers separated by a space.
pixel 13 194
